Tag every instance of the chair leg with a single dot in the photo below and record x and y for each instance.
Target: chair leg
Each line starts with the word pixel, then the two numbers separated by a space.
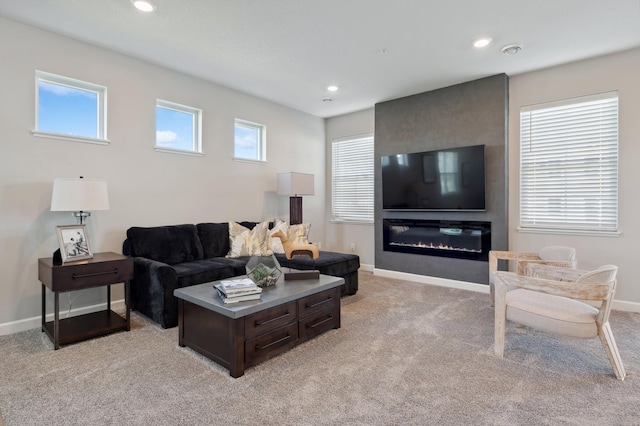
pixel 500 314
pixel 610 347
pixel 492 295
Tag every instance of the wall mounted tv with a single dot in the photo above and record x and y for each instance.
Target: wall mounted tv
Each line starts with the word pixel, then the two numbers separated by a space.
pixel 445 179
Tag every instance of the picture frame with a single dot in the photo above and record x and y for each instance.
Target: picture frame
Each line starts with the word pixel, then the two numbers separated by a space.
pixel 74 243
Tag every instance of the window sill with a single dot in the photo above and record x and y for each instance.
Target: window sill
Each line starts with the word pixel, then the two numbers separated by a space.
pixel 569 232
pixel 249 160
pixel 72 138
pixel 179 151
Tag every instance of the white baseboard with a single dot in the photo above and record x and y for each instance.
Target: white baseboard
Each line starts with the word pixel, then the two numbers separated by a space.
pixel 36 322
pixel 441 282
pixel 367 268
pixel 619 305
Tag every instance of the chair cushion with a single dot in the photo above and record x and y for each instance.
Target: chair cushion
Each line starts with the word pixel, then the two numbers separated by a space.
pixel 554 314
pixel 557 253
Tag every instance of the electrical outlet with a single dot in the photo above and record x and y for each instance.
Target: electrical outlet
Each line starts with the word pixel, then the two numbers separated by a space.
pixel 319 245
pixel 353 247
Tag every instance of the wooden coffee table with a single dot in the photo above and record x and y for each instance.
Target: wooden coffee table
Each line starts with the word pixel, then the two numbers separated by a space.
pixel 244 334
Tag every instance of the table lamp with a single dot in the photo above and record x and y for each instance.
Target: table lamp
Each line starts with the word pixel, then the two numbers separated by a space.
pixel 295 185
pixel 80 196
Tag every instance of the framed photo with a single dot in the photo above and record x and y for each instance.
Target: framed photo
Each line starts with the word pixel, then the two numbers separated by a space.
pixel 74 243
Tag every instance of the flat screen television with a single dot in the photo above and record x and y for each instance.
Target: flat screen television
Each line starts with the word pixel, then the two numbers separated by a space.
pixel 445 179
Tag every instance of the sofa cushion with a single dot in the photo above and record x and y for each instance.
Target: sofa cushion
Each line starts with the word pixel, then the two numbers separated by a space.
pixel 237 263
pixel 214 238
pixel 168 244
pixel 328 263
pixel 201 271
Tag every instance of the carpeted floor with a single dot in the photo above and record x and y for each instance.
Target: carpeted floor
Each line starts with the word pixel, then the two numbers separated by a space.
pixel 407 353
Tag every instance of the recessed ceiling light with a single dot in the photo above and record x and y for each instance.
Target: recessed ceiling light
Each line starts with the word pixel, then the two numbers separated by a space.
pixel 145 6
pixel 332 88
pixel 482 42
pixel 511 49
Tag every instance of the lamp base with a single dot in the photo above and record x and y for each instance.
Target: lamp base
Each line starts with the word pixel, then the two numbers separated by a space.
pixel 295 210
pixel 57 257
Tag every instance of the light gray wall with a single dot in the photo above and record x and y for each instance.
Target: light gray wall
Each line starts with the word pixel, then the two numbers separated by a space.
pixel 146 187
pixel 612 72
pixel 607 73
pixel 473 113
pixel 339 235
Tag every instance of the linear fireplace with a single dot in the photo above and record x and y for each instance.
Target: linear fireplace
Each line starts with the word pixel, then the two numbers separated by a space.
pixel 459 239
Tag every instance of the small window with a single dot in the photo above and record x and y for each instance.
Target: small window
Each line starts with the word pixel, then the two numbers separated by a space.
pixel 250 141
pixel 352 185
pixel 569 165
pixel 178 128
pixel 70 109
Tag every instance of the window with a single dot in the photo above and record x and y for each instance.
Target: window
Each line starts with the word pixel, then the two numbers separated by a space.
pixel 178 128
pixel 70 109
pixel 569 165
pixel 250 141
pixel 352 179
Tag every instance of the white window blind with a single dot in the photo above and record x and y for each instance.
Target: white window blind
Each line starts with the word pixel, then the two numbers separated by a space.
pixel 569 165
pixel 352 180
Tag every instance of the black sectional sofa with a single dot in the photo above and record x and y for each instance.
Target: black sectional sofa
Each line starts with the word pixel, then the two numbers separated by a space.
pixel 170 257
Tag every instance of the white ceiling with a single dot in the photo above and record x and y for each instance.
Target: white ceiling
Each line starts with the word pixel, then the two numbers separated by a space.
pixel 289 51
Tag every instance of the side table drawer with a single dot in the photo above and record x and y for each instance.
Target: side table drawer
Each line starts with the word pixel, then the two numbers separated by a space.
pixel 271 344
pixel 318 323
pixel 86 275
pixel 319 301
pixel 270 319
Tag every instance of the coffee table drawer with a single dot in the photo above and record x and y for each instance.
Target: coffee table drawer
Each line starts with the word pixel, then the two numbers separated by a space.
pixel 271 344
pixel 317 302
pixel 270 319
pixel 318 323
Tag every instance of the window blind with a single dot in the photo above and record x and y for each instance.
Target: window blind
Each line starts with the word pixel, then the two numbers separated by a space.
pixel 569 164
pixel 352 185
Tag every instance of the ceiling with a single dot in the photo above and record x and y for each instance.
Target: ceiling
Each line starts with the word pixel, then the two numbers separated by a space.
pixel 289 51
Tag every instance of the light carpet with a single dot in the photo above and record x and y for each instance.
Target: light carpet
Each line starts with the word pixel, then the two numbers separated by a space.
pixel 407 353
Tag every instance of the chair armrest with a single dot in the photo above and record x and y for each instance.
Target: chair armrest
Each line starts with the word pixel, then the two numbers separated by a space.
pixel 558 271
pixel 495 255
pixel 581 291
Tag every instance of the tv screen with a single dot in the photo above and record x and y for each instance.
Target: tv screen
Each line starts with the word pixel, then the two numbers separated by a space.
pixel 445 179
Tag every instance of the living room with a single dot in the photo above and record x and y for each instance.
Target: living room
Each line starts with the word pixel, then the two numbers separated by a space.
pixel 149 188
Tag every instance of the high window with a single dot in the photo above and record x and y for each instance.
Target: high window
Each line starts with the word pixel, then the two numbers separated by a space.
pixel 178 128
pixel 569 165
pixel 70 109
pixel 250 141
pixel 352 186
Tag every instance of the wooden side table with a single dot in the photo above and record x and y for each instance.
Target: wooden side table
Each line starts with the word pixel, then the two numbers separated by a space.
pixel 103 269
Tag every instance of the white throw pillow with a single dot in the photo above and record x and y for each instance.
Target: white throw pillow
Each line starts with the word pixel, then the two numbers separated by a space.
pixel 274 243
pixel 245 242
pixel 299 234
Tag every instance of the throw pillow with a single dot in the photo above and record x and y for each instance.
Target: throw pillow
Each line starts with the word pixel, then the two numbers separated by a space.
pixel 274 243
pixel 299 234
pixel 245 242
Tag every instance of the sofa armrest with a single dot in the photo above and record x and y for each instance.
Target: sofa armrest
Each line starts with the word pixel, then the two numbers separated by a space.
pixel 152 289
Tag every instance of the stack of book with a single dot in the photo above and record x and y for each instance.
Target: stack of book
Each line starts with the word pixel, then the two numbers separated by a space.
pixel 238 290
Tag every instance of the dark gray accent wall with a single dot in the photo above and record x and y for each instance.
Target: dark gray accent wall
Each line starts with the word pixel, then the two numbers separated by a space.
pixel 472 113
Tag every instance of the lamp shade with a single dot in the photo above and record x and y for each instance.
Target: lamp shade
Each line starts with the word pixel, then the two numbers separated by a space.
pixel 79 194
pixel 293 183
